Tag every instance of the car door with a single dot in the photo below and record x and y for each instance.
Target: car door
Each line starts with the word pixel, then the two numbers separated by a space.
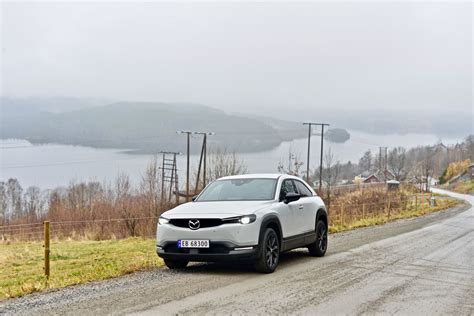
pixel 308 210
pixel 290 213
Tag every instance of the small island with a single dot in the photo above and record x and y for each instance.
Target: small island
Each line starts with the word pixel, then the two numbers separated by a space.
pixel 337 135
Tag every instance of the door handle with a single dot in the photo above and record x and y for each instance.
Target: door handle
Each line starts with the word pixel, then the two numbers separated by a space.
pixel 300 207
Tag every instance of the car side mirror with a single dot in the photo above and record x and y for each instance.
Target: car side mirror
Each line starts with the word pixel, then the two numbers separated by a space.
pixel 194 198
pixel 291 197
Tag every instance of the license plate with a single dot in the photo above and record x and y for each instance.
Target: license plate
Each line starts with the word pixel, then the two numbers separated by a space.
pixel 186 243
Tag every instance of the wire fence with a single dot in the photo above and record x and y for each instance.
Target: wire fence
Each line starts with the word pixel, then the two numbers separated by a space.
pixel 340 213
pixel 346 214
pixel 29 258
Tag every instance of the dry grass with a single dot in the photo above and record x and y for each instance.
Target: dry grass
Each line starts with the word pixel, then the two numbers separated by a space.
pixel 72 262
pixel 407 210
pixel 463 187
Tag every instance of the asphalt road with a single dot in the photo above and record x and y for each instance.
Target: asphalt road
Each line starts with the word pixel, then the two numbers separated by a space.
pixel 417 266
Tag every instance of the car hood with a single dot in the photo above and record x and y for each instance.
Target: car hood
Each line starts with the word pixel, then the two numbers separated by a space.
pixel 218 209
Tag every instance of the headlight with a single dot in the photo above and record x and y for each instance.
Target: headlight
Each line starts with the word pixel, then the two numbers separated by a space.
pixel 162 221
pixel 246 219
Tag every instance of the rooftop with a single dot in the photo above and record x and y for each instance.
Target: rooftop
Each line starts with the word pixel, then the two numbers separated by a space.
pixel 255 175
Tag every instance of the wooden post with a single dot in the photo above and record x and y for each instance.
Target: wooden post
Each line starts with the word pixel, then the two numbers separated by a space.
pixel 342 214
pixel 46 249
pixel 416 203
pixel 196 188
pixel 388 214
pixel 363 211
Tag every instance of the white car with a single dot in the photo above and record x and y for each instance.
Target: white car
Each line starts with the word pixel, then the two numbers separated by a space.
pixel 247 218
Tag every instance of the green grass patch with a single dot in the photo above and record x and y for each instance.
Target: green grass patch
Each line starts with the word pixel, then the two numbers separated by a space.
pixel 72 262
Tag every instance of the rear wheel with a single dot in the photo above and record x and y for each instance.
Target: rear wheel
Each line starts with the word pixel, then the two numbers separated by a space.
pixel 319 247
pixel 269 252
pixel 176 264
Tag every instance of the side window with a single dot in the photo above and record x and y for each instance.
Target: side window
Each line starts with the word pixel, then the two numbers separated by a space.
pixel 303 189
pixel 286 187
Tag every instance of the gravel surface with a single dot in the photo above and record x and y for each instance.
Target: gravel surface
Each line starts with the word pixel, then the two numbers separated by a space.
pixel 422 265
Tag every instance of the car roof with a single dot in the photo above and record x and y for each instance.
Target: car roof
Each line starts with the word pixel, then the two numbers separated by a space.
pixel 258 176
pixel 253 175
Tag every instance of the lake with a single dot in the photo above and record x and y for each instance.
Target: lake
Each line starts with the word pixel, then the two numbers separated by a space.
pixel 51 165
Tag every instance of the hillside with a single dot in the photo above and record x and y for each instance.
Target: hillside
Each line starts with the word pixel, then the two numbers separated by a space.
pixel 145 127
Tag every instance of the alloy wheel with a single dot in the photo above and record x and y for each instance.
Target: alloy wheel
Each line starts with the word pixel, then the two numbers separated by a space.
pixel 271 252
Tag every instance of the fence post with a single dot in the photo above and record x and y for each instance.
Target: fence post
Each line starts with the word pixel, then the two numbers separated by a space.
pixel 388 214
pixel 342 214
pixel 363 211
pixel 416 203
pixel 46 249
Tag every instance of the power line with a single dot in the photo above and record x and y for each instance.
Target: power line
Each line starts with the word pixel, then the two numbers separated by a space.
pixel 188 134
pixel 321 159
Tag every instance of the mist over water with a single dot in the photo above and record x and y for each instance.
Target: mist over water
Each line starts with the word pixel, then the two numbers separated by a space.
pixel 51 165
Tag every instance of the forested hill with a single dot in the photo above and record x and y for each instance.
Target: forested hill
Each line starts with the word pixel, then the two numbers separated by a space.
pixel 146 127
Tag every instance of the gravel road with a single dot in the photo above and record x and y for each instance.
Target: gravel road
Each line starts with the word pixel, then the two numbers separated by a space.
pixel 415 266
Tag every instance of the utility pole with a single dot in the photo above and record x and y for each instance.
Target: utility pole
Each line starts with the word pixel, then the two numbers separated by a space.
pixel 188 134
pixel 309 150
pixel 383 162
pixel 203 153
pixel 169 173
pixel 201 158
pixel 321 157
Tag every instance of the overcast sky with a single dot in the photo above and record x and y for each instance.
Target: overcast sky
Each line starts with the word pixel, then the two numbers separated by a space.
pixel 245 57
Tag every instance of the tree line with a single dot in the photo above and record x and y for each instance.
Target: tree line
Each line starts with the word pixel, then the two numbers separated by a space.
pixel 91 204
pixel 140 205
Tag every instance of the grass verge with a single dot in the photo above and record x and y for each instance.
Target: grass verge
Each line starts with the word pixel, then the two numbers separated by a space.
pixel 466 187
pixel 442 203
pixel 72 262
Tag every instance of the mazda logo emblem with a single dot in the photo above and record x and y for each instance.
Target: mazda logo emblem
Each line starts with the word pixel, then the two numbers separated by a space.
pixel 194 224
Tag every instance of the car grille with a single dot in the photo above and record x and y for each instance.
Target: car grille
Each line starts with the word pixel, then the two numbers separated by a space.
pixel 213 249
pixel 204 222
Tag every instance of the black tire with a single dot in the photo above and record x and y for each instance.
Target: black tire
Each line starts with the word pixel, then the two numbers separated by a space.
pixel 269 252
pixel 176 264
pixel 319 247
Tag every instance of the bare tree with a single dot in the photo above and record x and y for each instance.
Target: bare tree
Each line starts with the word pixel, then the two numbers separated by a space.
pixel 223 163
pixel 366 161
pixel 123 202
pixel 3 202
pixel 294 165
pixel 397 162
pixel 33 203
pixel 469 147
pixel 14 199
pixel 331 172
pixel 150 188
pixel 426 168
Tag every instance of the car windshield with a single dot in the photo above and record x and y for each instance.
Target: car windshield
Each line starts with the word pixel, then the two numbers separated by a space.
pixel 239 190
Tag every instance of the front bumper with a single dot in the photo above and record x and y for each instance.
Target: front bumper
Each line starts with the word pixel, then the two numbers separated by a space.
pixel 217 252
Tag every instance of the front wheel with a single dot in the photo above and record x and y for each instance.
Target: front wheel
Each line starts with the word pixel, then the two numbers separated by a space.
pixel 269 252
pixel 176 264
pixel 319 247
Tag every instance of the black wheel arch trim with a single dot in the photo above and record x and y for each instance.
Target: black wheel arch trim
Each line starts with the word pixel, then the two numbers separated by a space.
pixel 266 221
pixel 321 213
